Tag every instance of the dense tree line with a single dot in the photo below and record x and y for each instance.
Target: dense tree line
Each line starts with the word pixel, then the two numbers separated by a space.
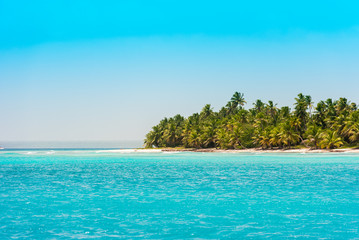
pixel 330 124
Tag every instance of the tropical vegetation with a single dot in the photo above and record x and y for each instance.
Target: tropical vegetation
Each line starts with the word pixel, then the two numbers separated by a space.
pixel 330 124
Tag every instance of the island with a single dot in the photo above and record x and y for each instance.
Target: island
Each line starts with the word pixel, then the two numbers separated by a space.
pixel 331 124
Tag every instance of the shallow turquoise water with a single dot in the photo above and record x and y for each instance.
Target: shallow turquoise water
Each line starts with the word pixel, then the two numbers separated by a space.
pixel 87 194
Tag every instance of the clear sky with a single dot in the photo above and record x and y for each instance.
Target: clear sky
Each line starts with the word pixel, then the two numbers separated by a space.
pixel 109 70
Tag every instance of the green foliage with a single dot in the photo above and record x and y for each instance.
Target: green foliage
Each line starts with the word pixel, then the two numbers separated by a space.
pixel 330 124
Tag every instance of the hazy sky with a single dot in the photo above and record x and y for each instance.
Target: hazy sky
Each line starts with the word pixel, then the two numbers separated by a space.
pixel 110 70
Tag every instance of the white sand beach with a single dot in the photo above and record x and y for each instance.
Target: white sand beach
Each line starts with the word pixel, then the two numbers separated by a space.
pixel 250 150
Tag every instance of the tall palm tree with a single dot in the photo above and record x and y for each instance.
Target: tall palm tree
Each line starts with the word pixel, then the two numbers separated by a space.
pixel 208 136
pixel 320 111
pixel 330 109
pixel 238 100
pixel 308 101
pixel 258 105
pixel 206 111
pixel 341 105
pixel 229 108
pixel 272 111
pixel 301 106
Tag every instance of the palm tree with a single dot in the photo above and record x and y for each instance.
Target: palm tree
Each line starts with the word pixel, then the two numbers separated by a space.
pixel 351 130
pixel 263 139
pixel 330 140
pixel 287 135
pixel 208 136
pixel 353 107
pixel 229 108
pixel 295 123
pixel 284 112
pixel 169 135
pixel 206 111
pixel 308 101
pixel 235 136
pixel 238 100
pixel 354 133
pixel 261 121
pixel 258 105
pixel 313 136
pixel 194 139
pixel 330 109
pixel 319 117
pixel 301 106
pixel 153 138
pixel 341 105
pixel 272 112
pixel 241 116
pixel 223 139
pixel 275 139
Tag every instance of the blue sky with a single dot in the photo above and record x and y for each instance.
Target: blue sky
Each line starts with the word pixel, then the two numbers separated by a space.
pixel 109 70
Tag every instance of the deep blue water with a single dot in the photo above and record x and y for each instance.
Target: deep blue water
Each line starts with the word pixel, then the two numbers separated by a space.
pixel 87 194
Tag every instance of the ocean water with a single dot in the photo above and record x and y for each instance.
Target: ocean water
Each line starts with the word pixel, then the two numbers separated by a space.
pixel 81 194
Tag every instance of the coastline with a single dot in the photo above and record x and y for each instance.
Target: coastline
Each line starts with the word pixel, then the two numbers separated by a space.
pixel 205 150
pixel 259 150
pixel 213 150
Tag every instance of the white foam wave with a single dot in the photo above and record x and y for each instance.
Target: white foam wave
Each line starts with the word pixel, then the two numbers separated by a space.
pixel 30 153
pixel 130 151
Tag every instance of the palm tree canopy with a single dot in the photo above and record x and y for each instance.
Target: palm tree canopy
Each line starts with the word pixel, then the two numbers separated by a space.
pixel 238 99
pixel 331 124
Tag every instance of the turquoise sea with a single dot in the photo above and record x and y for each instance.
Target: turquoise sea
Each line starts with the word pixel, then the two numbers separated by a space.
pixel 82 194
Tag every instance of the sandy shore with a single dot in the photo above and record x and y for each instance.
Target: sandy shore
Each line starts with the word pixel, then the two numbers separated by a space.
pixel 144 150
pixel 250 150
pixel 258 150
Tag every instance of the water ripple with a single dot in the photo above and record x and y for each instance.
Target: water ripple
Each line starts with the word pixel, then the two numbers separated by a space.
pixel 178 196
